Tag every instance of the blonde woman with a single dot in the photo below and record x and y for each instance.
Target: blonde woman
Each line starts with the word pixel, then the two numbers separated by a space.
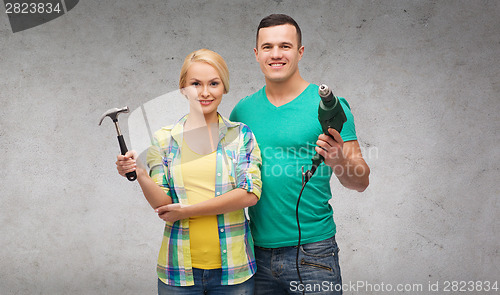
pixel 203 171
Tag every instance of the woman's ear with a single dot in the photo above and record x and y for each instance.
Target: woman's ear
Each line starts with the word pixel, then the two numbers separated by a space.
pixel 185 92
pixel 189 92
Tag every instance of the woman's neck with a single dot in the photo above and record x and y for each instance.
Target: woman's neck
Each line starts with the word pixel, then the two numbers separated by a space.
pixel 197 120
pixel 201 135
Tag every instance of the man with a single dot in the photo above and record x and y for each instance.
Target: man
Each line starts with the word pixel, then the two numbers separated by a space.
pixel 284 118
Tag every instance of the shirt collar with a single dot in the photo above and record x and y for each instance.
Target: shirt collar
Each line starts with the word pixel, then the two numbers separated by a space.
pixel 224 126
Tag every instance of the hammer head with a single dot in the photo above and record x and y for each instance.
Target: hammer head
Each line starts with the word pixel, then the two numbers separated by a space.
pixel 113 113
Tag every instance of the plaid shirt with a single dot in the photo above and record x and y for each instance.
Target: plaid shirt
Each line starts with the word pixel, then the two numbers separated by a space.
pixel 238 165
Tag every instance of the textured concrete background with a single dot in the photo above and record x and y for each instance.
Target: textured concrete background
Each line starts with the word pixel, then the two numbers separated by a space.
pixel 422 77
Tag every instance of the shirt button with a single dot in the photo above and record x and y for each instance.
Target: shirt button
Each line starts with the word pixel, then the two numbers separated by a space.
pixel 221 230
pixel 218 193
pixel 218 174
pixel 224 251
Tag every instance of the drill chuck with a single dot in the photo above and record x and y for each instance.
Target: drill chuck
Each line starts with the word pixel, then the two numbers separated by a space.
pixel 324 90
pixel 329 100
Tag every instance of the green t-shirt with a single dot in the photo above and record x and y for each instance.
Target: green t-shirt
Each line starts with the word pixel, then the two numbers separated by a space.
pixel 287 136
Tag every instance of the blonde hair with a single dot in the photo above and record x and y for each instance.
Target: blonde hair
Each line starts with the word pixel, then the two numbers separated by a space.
pixel 209 57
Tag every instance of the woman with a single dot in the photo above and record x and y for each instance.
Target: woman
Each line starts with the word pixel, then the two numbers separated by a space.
pixel 203 171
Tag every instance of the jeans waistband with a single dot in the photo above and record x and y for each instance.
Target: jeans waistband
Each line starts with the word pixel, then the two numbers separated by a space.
pixel 269 249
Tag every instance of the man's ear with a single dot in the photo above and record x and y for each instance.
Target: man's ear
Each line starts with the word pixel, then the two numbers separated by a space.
pixel 256 53
pixel 301 51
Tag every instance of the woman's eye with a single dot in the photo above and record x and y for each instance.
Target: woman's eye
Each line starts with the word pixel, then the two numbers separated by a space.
pixel 195 83
pixel 215 84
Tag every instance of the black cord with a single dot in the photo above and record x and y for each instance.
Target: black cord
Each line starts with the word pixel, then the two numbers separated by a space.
pixel 305 179
pixel 298 244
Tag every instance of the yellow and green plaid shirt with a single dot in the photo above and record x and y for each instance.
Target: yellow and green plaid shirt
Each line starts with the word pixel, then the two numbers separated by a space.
pixel 238 165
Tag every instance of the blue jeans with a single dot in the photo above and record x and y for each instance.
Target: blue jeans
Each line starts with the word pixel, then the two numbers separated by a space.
pixel 318 265
pixel 207 281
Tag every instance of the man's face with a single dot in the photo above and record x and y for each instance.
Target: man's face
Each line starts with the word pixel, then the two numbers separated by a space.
pixel 278 53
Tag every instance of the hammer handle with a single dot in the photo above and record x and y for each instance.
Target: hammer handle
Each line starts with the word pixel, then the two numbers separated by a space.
pixel 123 148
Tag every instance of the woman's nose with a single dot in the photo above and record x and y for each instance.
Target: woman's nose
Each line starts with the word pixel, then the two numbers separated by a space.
pixel 204 92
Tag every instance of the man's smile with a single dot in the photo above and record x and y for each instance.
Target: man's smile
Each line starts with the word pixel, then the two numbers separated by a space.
pixel 277 64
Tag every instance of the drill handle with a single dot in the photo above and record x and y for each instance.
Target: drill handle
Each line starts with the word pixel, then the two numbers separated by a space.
pixel 317 159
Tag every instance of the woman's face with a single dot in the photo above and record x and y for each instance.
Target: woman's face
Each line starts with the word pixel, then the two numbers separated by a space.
pixel 204 89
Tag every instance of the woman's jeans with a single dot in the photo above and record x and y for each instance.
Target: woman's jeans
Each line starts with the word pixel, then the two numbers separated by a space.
pixel 207 281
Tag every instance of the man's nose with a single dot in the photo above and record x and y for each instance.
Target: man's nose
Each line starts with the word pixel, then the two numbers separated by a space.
pixel 275 52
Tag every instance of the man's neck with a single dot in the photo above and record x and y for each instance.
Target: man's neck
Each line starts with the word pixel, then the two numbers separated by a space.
pixel 282 92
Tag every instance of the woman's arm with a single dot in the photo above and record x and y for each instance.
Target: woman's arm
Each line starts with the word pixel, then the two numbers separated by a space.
pixel 231 201
pixel 154 194
pixel 247 187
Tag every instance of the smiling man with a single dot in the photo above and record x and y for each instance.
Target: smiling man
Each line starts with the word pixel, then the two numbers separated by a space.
pixel 283 116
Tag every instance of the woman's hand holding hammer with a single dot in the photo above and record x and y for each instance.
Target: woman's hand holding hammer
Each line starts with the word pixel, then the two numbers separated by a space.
pixel 153 192
pixel 128 163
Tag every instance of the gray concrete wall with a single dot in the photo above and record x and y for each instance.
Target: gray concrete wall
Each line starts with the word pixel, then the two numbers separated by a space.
pixel 422 77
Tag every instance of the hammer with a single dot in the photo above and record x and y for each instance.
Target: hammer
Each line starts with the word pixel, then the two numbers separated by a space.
pixel 113 114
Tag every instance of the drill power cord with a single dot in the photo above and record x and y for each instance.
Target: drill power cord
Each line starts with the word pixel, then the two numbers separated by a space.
pixel 305 180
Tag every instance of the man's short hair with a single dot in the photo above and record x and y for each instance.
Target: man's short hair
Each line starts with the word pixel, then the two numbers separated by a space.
pixel 277 20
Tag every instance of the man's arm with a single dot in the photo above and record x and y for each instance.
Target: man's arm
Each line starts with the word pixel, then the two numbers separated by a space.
pixel 345 159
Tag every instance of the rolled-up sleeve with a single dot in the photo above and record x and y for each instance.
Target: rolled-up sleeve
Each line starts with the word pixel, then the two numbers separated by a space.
pixel 154 161
pixel 249 163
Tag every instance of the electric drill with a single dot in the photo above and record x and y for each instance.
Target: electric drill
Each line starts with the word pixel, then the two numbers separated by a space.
pixel 330 115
